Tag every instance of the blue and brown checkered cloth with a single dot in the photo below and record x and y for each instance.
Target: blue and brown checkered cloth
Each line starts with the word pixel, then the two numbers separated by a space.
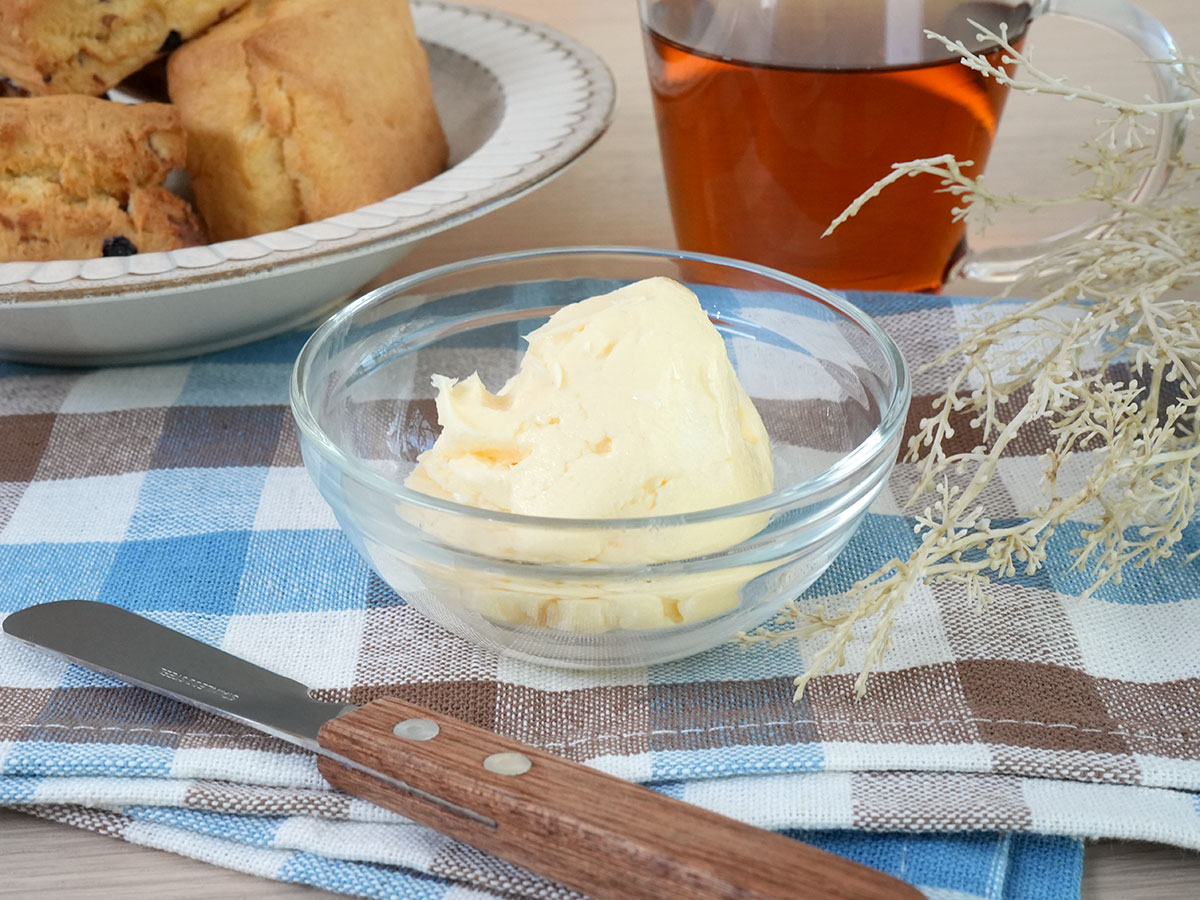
pixel 988 747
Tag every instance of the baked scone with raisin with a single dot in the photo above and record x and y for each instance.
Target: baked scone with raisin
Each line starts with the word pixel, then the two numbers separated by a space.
pixel 82 177
pixel 88 46
pixel 296 110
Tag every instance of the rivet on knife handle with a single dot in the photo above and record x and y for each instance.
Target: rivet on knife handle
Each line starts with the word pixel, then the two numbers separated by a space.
pixel 601 835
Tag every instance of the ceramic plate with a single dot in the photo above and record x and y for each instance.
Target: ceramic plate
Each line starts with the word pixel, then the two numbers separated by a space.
pixel 518 102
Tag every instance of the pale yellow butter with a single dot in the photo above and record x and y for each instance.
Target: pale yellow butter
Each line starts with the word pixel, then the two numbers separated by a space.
pixel 625 405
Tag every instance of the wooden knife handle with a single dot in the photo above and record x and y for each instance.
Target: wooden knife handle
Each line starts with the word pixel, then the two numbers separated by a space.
pixel 601 835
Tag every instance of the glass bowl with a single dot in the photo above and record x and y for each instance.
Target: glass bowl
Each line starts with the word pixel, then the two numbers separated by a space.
pixel 831 387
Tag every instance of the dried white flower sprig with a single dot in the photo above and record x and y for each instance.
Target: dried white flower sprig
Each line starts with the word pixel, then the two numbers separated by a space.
pixel 1107 357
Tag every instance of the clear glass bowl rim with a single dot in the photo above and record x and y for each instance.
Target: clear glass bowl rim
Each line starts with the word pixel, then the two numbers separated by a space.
pixel 891 419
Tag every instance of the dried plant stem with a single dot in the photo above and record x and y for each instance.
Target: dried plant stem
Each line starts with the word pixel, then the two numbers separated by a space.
pixel 1106 354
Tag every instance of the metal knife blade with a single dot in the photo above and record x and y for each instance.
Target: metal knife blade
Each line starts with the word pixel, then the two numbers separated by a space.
pixel 102 637
pixel 137 650
pixel 601 835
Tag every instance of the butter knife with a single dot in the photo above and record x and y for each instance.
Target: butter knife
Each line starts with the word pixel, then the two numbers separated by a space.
pixel 598 834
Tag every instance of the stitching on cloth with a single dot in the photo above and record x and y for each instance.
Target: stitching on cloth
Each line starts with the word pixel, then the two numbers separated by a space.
pixel 999 865
pixel 135 730
pixel 1149 735
pixel 658 732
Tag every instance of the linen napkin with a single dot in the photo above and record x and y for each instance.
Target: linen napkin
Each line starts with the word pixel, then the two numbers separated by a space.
pixel 988 746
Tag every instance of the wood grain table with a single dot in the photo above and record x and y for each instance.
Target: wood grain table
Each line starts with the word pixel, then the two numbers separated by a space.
pixel 615 195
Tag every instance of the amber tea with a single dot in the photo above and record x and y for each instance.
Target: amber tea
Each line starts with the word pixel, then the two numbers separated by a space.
pixel 767 137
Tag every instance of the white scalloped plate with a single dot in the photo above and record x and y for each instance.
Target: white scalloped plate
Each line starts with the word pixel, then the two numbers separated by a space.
pixel 518 102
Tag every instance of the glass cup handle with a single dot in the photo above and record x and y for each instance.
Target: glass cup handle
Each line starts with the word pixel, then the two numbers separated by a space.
pixel 1003 263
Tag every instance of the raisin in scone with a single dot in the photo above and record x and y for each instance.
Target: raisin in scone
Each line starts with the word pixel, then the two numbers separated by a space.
pixel 297 110
pixel 88 46
pixel 82 177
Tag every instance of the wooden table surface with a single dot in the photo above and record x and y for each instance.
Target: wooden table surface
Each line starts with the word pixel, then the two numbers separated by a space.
pixel 583 206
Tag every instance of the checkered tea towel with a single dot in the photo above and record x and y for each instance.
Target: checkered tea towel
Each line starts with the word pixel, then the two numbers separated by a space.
pixel 986 748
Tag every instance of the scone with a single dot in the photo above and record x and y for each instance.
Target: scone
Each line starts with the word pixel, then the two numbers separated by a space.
pixel 87 46
pixel 83 177
pixel 296 110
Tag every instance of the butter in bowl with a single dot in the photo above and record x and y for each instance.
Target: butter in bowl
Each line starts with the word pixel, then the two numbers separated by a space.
pixel 599 457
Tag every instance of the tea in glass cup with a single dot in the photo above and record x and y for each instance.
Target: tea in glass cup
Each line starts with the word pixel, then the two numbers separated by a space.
pixel 774 115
